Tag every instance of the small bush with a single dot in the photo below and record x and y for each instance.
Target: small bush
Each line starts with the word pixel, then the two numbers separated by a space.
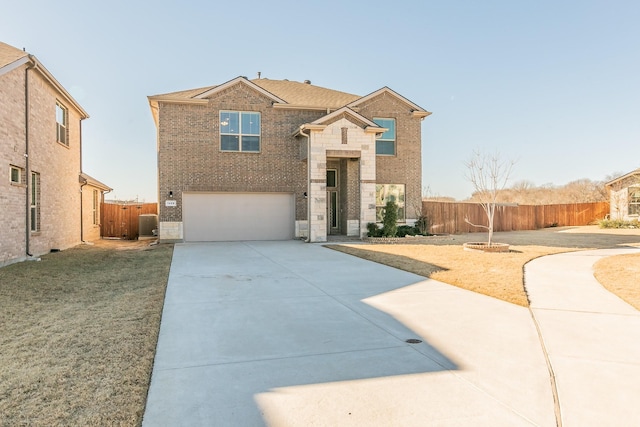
pixel 422 225
pixel 373 230
pixel 390 220
pixel 406 230
pixel 618 223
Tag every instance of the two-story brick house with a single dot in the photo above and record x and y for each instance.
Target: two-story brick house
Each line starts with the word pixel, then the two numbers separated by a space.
pixel 276 159
pixel 40 138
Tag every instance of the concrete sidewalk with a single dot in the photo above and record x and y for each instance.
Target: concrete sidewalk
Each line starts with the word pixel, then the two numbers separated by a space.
pixel 295 334
pixel 592 338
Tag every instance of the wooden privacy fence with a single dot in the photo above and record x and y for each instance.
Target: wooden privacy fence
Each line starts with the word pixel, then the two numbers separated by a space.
pixel 121 219
pixel 449 217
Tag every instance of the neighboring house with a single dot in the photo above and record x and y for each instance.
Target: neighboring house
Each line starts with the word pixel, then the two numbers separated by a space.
pixel 92 194
pixel 40 137
pixel 624 196
pixel 276 159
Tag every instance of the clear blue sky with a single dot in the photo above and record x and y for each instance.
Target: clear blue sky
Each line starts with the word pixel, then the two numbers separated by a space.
pixel 553 84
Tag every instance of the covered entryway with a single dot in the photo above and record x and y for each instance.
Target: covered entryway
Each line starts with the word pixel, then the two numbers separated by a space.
pixel 211 217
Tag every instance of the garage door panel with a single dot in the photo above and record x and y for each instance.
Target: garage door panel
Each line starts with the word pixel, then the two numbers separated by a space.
pixel 238 216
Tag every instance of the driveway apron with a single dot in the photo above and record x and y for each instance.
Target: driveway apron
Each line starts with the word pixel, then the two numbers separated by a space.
pixel 296 334
pixel 592 338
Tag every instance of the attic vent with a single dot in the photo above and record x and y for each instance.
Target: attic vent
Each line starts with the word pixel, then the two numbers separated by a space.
pixel 307 82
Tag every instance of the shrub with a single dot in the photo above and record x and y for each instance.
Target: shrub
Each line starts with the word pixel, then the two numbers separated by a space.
pixel 422 225
pixel 618 223
pixel 406 230
pixel 390 220
pixel 373 230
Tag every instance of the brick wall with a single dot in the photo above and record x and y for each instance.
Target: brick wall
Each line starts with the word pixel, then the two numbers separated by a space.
pixel 406 166
pixel 12 196
pixel 57 164
pixel 190 159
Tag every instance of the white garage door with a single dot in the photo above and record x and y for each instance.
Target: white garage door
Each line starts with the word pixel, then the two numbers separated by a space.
pixel 223 217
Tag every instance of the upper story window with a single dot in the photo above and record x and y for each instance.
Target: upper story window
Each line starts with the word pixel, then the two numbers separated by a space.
pixel 240 131
pixel 386 144
pixel 634 200
pixel 15 174
pixel 62 121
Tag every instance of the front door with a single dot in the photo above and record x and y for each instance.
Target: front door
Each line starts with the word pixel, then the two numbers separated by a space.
pixel 333 220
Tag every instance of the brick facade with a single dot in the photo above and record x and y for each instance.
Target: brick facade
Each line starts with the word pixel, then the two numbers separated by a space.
pixel 56 165
pixel 190 158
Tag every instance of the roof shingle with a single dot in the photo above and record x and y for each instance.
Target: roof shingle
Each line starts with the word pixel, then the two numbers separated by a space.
pixel 294 93
pixel 9 54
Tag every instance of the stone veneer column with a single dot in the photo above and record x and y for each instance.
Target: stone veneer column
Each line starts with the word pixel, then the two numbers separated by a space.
pixel 317 163
pixel 367 187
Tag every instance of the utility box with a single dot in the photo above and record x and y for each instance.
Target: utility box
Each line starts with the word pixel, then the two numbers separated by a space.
pixel 147 226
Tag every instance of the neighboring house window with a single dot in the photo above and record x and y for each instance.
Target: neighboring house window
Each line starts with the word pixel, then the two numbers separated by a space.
pixel 35 201
pixel 62 121
pixel 15 174
pixel 239 131
pixel 96 207
pixel 386 144
pixel 386 193
pixel 634 200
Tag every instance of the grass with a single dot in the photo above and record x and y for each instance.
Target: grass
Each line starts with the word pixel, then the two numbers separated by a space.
pixel 619 274
pixel 497 275
pixel 78 332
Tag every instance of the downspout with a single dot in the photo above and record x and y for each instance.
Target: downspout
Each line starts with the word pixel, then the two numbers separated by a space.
pixel 83 183
pixel 308 240
pixel 27 209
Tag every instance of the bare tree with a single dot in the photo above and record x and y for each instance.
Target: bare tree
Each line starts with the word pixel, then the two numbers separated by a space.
pixel 489 175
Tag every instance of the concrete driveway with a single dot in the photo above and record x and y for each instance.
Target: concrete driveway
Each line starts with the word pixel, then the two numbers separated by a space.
pixel 295 334
pixel 592 338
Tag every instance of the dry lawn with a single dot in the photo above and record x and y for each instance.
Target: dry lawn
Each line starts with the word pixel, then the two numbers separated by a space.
pixel 496 275
pixel 501 275
pixel 78 332
pixel 620 275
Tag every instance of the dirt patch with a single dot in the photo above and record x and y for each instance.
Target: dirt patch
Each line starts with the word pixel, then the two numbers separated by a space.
pixel 567 237
pixel 499 275
pixel 619 274
pixel 124 245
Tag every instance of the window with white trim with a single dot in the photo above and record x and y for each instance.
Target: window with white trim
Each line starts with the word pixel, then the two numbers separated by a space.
pixel 62 121
pixel 634 200
pixel 95 207
pixel 240 131
pixel 389 193
pixel 35 201
pixel 15 174
pixel 386 143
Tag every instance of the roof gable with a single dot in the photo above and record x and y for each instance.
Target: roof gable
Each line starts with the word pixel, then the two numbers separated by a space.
pixel 11 58
pixel 347 112
pixel 238 80
pixel 10 55
pixel 623 177
pixel 415 108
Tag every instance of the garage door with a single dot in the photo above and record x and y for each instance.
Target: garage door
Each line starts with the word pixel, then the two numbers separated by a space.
pixel 237 216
